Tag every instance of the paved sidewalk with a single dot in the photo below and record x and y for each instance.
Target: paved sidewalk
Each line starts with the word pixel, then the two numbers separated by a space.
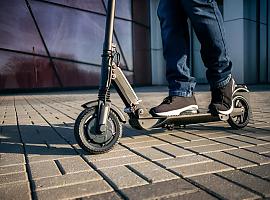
pixel 39 157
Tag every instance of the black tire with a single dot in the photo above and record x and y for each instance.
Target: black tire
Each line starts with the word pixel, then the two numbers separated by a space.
pixel 240 121
pixel 84 130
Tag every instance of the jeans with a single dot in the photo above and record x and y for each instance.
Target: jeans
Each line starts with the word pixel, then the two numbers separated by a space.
pixel 207 22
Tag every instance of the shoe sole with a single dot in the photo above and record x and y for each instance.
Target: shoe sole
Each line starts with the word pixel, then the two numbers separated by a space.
pixel 191 108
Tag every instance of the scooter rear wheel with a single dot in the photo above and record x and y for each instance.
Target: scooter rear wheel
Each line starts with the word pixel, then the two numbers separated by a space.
pixel 240 121
pixel 89 140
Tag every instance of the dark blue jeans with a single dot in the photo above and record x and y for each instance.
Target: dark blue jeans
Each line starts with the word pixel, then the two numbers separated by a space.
pixel 207 22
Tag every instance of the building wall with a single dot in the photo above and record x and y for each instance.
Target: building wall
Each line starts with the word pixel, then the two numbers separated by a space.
pixel 58 43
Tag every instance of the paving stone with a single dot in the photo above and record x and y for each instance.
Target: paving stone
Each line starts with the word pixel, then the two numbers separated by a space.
pixel 161 189
pixel 11 147
pixel 250 140
pixel 254 157
pixel 8 159
pixel 136 139
pixel 75 191
pixel 256 133
pixel 67 179
pixel 223 188
pixel 152 172
pixel 12 169
pixel 35 149
pixel 211 148
pixel 109 155
pixel 16 191
pixel 74 164
pixel 153 154
pixel 118 162
pixel 171 139
pixel 174 150
pixel 219 135
pixel 203 131
pixel 266 138
pixel 266 154
pixel 12 178
pixel 122 177
pixel 262 171
pixel 145 144
pixel 198 143
pixel 108 195
pixel 259 149
pixel 249 181
pixel 184 161
pixel 233 142
pixel 187 136
pixel 43 169
pixel 231 160
pixel 201 168
pixel 43 158
pixel 192 196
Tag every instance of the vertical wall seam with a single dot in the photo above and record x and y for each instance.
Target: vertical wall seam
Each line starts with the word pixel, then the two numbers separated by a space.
pixel 258 46
pixel 43 41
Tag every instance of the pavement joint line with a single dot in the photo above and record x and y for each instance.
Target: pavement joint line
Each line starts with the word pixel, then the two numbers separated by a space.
pixel 243 158
pixel 177 174
pixel 139 174
pixel 254 151
pixel 27 166
pixel 60 168
pixel 248 141
pixel 247 172
pixel 185 131
pixel 205 155
pixel 106 178
pixel 163 140
pixel 240 185
pixel 174 156
pixel 213 139
pixel 202 187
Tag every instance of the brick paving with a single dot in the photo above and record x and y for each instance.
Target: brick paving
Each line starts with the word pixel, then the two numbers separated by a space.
pixel 40 159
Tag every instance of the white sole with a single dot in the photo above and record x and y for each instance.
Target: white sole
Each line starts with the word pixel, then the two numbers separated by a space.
pixel 191 108
pixel 227 112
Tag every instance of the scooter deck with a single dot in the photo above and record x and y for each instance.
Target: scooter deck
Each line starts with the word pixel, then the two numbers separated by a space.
pixel 184 119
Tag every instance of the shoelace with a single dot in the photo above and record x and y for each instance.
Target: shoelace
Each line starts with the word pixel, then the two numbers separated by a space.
pixel 168 100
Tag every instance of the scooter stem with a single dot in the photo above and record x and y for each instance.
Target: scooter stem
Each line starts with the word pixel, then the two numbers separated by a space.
pixel 105 80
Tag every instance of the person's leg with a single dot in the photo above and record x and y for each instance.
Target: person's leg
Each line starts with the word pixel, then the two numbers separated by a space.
pixel 209 28
pixel 175 40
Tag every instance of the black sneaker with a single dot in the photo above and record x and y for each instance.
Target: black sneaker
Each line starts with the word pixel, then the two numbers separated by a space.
pixel 221 102
pixel 175 105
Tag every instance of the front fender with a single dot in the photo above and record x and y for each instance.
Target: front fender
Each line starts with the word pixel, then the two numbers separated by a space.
pixel 114 108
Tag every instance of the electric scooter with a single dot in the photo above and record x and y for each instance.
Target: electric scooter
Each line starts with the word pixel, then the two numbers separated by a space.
pixel 98 127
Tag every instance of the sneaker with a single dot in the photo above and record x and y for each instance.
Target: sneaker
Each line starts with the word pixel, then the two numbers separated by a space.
pixel 175 105
pixel 221 102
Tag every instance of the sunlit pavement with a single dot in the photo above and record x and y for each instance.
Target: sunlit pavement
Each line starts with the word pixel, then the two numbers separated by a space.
pixel 40 158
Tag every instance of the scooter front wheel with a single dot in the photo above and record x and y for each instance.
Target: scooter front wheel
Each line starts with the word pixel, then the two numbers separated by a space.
pixel 91 141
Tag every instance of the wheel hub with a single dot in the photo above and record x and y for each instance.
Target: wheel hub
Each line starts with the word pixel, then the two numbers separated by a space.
pixel 99 137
